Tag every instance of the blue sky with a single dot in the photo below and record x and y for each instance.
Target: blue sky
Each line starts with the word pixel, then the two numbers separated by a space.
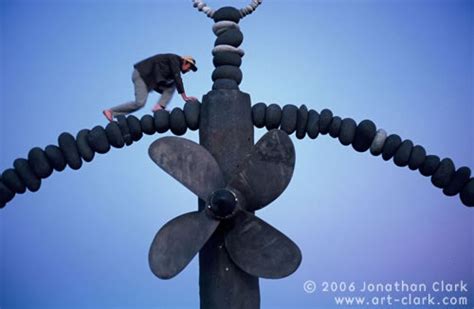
pixel 82 240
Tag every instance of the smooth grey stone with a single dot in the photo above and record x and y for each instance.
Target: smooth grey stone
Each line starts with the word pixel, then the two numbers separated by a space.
pixel 417 157
pixel 227 58
pixel 55 157
pixel 402 156
pixel 232 37
pixel 114 135
pixel 162 121
pixel 222 26
pixel 335 126
pixel 177 122
pixel 29 178
pixel 460 178
pixel 467 193
pixel 258 114
pixel 227 48
pixel 348 130
pixel 301 122
pixel 39 163
pixel 227 72
pixel 225 83
pixel 325 118
pixel 148 124
pixel 430 165
pixel 11 179
pixel 289 118
pixel 6 195
pixel 67 144
pixel 390 147
pixel 124 128
pixel 364 136
pixel 378 142
pixel 227 13
pixel 97 139
pixel 135 128
pixel 273 116
pixel 191 114
pixel 86 152
pixel 443 174
pixel 312 127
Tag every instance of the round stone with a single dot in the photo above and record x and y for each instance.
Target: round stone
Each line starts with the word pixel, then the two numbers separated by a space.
pixel 325 119
pixel 223 26
pixel 162 121
pixel 227 58
pixel 148 124
pixel 335 126
pixel 228 48
pixel 6 195
pixel 258 114
pixel 289 118
pixel 364 136
pixel 27 175
pixel 402 156
pixel 467 193
pixel 430 165
pixel 39 163
pixel 225 83
pixel 233 37
pixel 460 178
pixel 55 157
pixel 347 133
pixel 123 125
pixel 301 122
pixel 97 139
pixel 135 128
pixel 68 146
pixel 222 204
pixel 114 135
pixel 443 174
pixel 390 147
pixel 85 150
pixel 11 179
pixel 417 157
pixel 377 144
pixel 273 116
pixel 191 114
pixel 312 127
pixel 226 13
pixel 227 72
pixel 177 122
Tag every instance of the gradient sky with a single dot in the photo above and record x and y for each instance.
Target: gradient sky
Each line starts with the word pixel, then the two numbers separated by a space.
pixel 82 240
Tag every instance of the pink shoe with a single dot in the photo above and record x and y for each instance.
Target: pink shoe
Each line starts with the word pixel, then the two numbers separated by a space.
pixel 108 114
pixel 157 107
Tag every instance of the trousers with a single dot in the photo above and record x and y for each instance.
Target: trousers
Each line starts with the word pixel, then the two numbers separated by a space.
pixel 141 96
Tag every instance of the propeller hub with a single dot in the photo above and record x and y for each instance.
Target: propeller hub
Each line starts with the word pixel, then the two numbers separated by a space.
pixel 222 204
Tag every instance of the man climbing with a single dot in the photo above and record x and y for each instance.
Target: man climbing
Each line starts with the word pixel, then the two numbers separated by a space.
pixel 161 73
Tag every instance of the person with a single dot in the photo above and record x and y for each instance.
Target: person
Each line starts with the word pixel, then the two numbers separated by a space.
pixel 161 73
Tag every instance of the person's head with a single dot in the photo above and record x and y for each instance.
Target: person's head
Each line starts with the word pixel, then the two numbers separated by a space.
pixel 188 63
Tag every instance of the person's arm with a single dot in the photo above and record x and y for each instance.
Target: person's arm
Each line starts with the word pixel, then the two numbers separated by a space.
pixel 175 65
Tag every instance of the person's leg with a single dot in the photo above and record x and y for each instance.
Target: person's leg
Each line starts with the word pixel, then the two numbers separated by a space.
pixel 141 95
pixel 165 98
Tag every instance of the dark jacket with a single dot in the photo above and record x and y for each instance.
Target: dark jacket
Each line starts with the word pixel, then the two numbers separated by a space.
pixel 161 71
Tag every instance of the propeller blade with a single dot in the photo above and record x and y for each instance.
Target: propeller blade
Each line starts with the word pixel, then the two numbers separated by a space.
pixel 260 250
pixel 266 171
pixel 178 241
pixel 189 163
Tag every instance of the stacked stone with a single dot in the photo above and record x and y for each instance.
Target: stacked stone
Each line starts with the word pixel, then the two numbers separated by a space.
pixel 71 151
pixel 227 54
pixel 365 136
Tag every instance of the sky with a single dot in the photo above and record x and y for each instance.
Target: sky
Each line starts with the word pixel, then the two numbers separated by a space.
pixel 82 240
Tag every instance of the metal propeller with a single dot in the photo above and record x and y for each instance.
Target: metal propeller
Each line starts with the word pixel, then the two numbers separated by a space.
pixel 253 245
